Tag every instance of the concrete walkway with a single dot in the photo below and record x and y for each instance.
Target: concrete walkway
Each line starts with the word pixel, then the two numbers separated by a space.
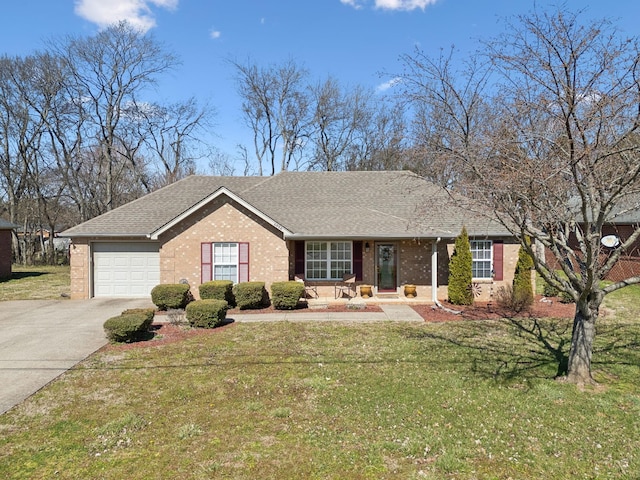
pixel 397 312
pixel 41 339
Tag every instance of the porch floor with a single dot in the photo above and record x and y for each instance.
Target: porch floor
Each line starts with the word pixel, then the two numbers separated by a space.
pixel 382 299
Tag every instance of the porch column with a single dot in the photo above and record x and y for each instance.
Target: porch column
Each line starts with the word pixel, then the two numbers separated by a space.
pixel 434 270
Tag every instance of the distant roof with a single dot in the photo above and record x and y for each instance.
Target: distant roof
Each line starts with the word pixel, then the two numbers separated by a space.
pixel 5 225
pixel 365 204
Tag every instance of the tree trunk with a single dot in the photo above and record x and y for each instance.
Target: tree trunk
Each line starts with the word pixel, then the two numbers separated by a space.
pixel 584 332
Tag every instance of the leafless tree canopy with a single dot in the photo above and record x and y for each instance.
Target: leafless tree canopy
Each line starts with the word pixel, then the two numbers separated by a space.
pixel 541 128
pixel 78 137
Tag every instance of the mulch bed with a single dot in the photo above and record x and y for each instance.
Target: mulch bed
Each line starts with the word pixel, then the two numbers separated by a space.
pixel 164 332
pixel 552 307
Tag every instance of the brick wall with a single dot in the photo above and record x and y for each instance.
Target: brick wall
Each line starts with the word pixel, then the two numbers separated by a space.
pixel 414 267
pixel 223 221
pixel 5 253
pixel 80 266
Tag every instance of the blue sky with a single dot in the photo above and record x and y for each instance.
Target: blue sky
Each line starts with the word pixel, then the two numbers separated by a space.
pixel 352 40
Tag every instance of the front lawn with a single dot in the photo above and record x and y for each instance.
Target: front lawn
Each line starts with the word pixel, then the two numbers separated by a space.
pixel 458 400
pixel 36 283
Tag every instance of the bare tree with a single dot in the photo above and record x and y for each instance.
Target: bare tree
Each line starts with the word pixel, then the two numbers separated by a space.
pixel 170 134
pixel 108 72
pixel 276 108
pixel 550 148
pixel 449 109
pixel 380 141
pixel 338 116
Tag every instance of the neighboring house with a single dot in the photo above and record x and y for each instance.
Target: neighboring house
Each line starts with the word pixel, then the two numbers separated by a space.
pixel 388 228
pixel 619 229
pixel 5 248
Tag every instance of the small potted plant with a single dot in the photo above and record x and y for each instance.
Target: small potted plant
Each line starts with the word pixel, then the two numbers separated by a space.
pixel 409 290
pixel 365 291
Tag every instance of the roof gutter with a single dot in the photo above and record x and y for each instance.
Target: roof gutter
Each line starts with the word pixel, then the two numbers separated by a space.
pixel 372 236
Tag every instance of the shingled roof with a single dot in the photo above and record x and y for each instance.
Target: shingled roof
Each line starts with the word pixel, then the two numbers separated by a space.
pixel 384 204
pixel 4 225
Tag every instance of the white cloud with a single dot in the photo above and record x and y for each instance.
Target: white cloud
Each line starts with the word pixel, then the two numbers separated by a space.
pixel 107 12
pixel 406 5
pixel 383 87
pixel 353 3
pixel 215 34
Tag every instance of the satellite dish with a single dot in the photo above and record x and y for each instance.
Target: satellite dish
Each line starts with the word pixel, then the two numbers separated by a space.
pixel 610 241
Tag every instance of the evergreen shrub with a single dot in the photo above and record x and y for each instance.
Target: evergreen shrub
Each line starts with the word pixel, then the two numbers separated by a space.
pixel 218 290
pixel 286 295
pixel 460 271
pixel 209 313
pixel 171 295
pixel 250 295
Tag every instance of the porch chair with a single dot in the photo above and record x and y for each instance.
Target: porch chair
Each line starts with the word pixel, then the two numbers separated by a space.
pixel 348 286
pixel 309 289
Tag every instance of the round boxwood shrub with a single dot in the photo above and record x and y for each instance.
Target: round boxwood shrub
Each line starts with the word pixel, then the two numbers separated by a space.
pixel 218 290
pixel 286 295
pixel 170 295
pixel 129 326
pixel 251 295
pixel 208 313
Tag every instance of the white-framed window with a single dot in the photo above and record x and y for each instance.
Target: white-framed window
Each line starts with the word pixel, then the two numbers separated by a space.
pixel 225 261
pixel 482 255
pixel 328 260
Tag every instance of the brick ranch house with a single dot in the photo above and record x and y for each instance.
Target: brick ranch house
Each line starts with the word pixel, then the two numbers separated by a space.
pixel 5 248
pixel 388 228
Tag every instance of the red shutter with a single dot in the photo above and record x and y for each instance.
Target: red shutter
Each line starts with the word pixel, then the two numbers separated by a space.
pixel 243 262
pixel 299 255
pixel 498 260
pixel 206 262
pixel 357 260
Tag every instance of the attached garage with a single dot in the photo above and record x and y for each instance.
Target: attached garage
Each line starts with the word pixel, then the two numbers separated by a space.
pixel 125 269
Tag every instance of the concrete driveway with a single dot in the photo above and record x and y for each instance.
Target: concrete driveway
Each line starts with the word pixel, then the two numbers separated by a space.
pixel 41 339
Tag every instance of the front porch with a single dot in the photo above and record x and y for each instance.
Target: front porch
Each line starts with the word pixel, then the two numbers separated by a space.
pixel 358 301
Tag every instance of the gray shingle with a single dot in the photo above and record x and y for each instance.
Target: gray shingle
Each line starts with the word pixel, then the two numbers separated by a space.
pixel 338 204
pixel 5 225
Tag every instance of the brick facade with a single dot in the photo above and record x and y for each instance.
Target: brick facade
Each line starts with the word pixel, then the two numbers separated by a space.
pixel 414 267
pixel 5 253
pixel 222 221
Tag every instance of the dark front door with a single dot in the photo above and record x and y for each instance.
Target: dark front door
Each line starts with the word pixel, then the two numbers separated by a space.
pixel 386 266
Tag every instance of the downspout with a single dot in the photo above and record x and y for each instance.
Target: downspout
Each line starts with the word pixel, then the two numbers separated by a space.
pixel 434 278
pixel 434 272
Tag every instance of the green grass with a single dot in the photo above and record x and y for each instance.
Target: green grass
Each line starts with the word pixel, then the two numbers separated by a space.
pixel 459 400
pixel 36 283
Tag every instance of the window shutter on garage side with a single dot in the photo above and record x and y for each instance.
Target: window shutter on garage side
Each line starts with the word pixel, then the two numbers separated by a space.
pixel 206 262
pixel 243 262
pixel 498 260
pixel 299 257
pixel 357 260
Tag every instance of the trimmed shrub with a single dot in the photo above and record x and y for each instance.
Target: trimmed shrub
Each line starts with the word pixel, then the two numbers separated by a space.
pixel 522 286
pixel 147 313
pixel 460 271
pixel 170 295
pixel 251 295
pixel 208 313
pixel 129 326
pixel 507 298
pixel 218 290
pixel 286 295
pixel 549 290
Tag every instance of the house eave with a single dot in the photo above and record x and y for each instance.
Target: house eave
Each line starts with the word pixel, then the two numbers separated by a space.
pixel 136 236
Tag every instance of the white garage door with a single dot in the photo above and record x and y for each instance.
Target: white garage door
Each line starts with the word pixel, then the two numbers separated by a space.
pixel 128 269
